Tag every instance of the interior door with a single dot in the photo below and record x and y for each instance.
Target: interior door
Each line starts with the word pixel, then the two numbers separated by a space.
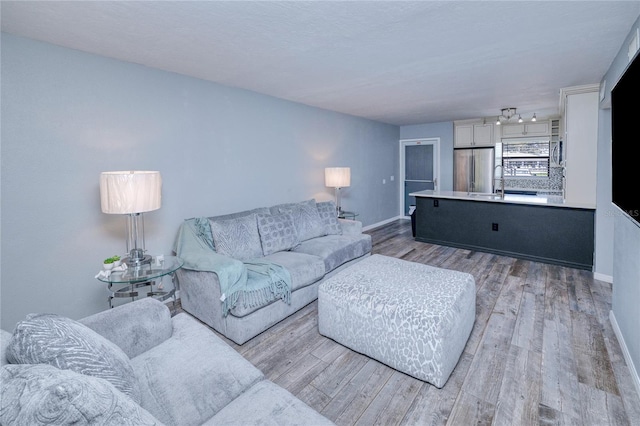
pixel 420 168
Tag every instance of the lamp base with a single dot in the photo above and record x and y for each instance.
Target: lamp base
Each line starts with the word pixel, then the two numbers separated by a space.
pixel 137 262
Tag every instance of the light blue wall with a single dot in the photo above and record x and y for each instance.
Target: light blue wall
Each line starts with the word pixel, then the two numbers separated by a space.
pixel 625 247
pixel 605 212
pixel 68 115
pixel 444 131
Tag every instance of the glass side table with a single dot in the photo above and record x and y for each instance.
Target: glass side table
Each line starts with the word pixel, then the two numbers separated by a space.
pixel 126 283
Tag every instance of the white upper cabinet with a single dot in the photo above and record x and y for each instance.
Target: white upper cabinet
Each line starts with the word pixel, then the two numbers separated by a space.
pixel 539 128
pixel 579 105
pixel 473 133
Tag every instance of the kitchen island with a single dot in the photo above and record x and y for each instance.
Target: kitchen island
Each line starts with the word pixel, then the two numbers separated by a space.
pixel 543 228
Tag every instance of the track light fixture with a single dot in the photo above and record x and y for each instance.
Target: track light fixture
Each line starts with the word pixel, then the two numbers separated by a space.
pixel 507 113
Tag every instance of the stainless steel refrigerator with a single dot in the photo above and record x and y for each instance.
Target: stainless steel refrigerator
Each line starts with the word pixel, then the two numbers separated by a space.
pixel 473 169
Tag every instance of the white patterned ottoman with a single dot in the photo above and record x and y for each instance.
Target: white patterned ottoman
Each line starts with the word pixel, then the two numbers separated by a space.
pixel 412 317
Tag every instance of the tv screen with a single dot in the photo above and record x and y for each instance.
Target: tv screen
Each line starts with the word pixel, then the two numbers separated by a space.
pixel 625 170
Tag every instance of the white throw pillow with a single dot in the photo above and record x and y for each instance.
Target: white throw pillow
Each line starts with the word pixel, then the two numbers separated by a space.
pixel 237 238
pixel 69 345
pixel 306 219
pixel 277 232
pixel 40 394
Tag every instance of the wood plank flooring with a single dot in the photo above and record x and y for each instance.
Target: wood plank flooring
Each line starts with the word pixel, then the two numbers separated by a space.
pixel 542 352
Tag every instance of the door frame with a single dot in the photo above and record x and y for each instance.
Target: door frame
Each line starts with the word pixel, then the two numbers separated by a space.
pixel 435 142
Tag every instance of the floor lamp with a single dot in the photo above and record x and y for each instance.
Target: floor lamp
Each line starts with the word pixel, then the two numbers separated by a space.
pixel 337 177
pixel 132 193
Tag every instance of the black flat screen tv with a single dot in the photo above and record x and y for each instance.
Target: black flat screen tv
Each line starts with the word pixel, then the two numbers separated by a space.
pixel 625 162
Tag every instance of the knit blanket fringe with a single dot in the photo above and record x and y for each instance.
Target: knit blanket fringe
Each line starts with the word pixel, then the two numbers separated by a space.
pixel 262 296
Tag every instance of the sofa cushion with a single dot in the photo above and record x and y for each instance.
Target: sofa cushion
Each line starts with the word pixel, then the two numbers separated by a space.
pixel 306 219
pixel 336 249
pixel 267 403
pixel 191 376
pixel 304 269
pixel 39 394
pixel 69 345
pixel 237 238
pixel 329 215
pixel 277 232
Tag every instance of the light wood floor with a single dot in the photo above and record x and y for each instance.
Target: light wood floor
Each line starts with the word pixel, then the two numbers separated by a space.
pixel 542 351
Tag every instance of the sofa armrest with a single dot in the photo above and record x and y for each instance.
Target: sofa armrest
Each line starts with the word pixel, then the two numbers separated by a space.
pixel 208 260
pixel 200 296
pixel 135 327
pixel 350 227
pixel 5 337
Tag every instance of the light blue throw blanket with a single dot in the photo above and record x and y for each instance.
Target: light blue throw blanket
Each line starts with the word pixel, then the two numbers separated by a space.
pixel 260 280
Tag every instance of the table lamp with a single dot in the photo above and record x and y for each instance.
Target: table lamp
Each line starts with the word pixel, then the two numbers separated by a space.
pixel 337 177
pixel 132 193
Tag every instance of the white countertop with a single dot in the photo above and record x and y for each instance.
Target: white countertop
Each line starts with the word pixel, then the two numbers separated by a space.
pixel 538 200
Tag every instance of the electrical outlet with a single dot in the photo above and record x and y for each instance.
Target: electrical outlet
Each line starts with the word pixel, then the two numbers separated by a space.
pixel 384 181
pixel 436 203
pixel 494 226
pixel 392 179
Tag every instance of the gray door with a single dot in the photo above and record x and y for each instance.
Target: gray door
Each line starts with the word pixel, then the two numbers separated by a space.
pixel 418 172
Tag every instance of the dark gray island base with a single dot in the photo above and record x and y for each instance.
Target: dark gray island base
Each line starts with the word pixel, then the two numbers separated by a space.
pixel 543 233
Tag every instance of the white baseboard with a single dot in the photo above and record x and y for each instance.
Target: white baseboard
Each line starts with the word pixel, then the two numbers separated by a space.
pixel 384 222
pixel 625 352
pixel 603 277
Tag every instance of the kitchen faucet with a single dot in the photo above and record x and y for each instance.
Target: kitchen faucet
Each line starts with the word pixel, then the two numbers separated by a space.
pixel 501 179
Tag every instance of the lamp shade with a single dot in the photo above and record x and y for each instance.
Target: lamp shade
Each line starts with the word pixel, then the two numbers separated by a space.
pixel 128 192
pixel 337 177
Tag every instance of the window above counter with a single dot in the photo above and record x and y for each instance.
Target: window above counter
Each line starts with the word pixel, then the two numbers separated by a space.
pixel 525 157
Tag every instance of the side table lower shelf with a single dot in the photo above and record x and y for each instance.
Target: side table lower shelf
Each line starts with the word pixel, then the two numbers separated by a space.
pixel 347 215
pixel 131 290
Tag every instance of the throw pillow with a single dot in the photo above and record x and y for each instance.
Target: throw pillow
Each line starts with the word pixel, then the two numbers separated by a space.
pixel 277 232
pixel 329 215
pixel 67 344
pixel 237 238
pixel 39 394
pixel 306 219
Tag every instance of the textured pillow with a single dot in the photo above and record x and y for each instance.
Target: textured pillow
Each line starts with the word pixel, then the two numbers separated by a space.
pixel 306 219
pixel 39 394
pixel 329 215
pixel 237 238
pixel 277 232
pixel 67 344
pixel 236 215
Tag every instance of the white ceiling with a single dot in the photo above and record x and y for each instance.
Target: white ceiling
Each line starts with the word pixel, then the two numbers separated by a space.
pixel 397 62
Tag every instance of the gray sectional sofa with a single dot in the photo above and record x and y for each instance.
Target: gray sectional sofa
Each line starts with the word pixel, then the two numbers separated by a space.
pixel 135 365
pixel 246 271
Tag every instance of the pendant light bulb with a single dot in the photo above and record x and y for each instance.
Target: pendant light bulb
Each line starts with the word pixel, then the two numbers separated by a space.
pixel 519 118
pixel 534 117
pixel 498 121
